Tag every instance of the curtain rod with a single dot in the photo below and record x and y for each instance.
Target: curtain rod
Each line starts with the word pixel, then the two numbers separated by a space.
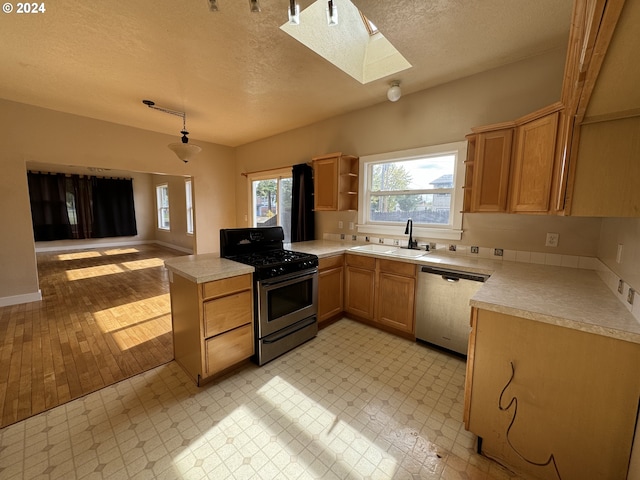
pixel 246 174
pixel 42 172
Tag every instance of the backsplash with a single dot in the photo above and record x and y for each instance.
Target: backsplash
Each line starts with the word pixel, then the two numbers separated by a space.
pixel 612 280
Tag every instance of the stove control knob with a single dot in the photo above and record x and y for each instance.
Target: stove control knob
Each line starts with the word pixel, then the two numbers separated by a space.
pixel 274 272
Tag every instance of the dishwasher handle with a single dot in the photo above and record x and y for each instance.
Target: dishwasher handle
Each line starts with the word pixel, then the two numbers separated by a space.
pixel 455 275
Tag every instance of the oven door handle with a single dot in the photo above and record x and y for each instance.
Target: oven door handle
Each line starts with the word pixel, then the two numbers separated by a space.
pixel 285 332
pixel 306 274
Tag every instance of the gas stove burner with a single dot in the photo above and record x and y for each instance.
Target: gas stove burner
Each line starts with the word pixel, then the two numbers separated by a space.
pixel 263 249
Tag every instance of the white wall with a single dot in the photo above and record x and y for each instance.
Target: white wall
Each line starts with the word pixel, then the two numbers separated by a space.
pixel 438 115
pixel 32 134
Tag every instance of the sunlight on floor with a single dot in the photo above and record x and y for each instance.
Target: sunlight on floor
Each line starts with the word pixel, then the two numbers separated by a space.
pixel 131 324
pixel 121 251
pixel 90 272
pixel 330 433
pixel 141 264
pixel 77 256
pixel 142 332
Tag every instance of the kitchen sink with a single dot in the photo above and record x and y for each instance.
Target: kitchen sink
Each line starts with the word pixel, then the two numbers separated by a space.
pixel 389 250
pixel 405 252
pixel 374 248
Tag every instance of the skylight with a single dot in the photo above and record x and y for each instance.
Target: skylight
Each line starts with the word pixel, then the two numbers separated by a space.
pixel 354 45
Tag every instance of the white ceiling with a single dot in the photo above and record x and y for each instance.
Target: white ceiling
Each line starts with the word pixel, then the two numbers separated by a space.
pixel 238 76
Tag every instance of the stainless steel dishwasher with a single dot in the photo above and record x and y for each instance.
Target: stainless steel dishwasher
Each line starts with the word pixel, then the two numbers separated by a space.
pixel 442 306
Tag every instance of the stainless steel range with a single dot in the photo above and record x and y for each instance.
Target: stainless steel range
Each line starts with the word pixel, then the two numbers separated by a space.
pixel 285 288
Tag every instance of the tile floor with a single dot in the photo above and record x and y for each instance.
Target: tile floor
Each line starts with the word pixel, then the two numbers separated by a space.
pixel 354 403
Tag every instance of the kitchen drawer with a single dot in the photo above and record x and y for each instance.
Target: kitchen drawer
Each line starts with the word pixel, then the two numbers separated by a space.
pixel 218 288
pixel 399 268
pixel 228 312
pixel 361 261
pixel 227 349
pixel 330 262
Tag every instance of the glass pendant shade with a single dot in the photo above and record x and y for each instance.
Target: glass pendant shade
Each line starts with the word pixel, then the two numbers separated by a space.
pixel 184 150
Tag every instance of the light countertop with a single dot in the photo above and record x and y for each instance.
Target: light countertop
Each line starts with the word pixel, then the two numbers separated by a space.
pixel 567 297
pixel 206 267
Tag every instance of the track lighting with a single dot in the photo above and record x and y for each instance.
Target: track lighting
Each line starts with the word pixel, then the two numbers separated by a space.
pixel 183 149
pixel 332 14
pixel 394 93
pixel 254 6
pixel 294 12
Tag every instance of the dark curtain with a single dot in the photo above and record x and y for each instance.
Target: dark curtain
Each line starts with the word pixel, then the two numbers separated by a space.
pixel 114 213
pixel 302 221
pixel 80 187
pixel 48 197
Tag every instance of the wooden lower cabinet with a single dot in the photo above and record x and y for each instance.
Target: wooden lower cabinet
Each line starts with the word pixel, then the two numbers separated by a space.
pixel 396 295
pixel 381 292
pixel 360 277
pixel 577 397
pixel 330 288
pixel 212 324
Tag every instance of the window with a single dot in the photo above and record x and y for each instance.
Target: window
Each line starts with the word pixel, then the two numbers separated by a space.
pixel 271 200
pixel 189 199
pixel 424 184
pixel 162 204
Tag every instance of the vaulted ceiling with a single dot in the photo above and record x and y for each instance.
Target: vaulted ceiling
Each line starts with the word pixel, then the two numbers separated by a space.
pixel 237 75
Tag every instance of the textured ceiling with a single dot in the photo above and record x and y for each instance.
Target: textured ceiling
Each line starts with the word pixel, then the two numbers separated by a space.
pixel 238 76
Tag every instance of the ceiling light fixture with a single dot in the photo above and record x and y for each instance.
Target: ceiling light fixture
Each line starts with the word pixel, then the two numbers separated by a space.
pixel 394 93
pixel 332 14
pixel 294 12
pixel 184 150
pixel 213 5
pixel 254 5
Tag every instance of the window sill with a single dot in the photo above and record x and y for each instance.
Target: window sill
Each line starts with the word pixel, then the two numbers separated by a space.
pixel 418 232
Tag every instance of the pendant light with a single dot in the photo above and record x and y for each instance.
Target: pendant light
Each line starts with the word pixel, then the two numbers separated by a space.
pixel 184 150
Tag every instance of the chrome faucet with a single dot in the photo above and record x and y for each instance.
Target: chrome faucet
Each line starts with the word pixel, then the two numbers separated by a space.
pixel 409 230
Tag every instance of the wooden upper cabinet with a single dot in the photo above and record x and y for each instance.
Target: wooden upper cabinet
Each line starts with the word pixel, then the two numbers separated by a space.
pixel 335 182
pixel 491 170
pixel 533 165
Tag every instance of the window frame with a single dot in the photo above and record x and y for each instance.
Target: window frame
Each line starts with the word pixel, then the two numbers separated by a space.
pixel 451 231
pixel 275 174
pixel 160 208
pixel 188 192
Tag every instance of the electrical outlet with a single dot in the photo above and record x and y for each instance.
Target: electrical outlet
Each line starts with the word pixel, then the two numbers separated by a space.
pixel 432 246
pixel 396 242
pixel 620 286
pixel 366 239
pixel 552 240
pixel 354 237
pixel 381 240
pixel 630 296
pixel 452 248
pixel 475 249
pixel 342 236
pixel 498 252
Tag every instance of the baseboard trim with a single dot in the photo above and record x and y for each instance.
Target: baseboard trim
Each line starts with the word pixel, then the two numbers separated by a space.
pixel 18 299
pixel 91 246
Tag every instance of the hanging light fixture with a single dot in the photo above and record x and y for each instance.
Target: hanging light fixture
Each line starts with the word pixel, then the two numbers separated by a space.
pixel 294 12
pixel 332 14
pixel 254 6
pixel 213 5
pixel 183 149
pixel 394 93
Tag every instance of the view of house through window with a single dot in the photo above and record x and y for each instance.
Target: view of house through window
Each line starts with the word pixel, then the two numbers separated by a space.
pixel 162 204
pixel 419 189
pixel 189 201
pixel 418 184
pixel 271 200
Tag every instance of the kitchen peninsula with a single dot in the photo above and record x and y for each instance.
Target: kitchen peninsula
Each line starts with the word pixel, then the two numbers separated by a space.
pixel 573 347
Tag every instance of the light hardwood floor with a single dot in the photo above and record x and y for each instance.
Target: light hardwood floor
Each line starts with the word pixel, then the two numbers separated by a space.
pixel 105 316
